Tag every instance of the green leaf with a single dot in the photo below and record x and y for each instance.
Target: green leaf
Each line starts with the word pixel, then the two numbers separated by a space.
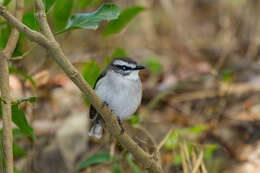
pixel 82 4
pixel 19 118
pixel 17 133
pixel 154 65
pixel 94 159
pixel 30 21
pixel 118 52
pixel 135 168
pixel 30 99
pixel 62 12
pixel 6 2
pixel 4 36
pixel 115 26
pixel 92 20
pixel 48 4
pixel 22 74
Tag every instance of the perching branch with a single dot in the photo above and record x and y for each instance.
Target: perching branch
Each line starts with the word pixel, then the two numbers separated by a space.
pixel 46 39
pixel 5 90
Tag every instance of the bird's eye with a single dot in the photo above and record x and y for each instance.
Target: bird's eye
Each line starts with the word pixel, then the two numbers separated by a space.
pixel 123 67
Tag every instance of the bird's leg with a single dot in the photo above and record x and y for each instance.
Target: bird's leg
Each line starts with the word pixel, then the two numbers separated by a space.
pixel 100 118
pixel 118 119
pixel 121 126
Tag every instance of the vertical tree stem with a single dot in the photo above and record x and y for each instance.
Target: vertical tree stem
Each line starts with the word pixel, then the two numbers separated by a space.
pixel 6 111
pixel 5 91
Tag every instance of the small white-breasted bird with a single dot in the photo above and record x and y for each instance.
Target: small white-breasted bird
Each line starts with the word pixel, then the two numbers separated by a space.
pixel 120 87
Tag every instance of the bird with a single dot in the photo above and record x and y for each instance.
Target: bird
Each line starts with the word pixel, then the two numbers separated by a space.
pixel 119 87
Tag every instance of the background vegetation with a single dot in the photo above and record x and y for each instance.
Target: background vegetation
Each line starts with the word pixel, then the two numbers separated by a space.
pixel 200 92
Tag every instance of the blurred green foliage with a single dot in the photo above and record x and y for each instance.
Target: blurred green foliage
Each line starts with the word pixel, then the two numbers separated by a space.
pixel 132 164
pixel 154 65
pixel 226 76
pixel 116 166
pixel 117 53
pixel 189 135
pixel 115 26
pixel 94 159
pixel 17 150
pixel 82 4
pixel 134 119
pixel 90 72
pixel 6 2
pixel 17 171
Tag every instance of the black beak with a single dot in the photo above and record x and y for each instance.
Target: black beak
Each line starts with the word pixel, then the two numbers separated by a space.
pixel 139 67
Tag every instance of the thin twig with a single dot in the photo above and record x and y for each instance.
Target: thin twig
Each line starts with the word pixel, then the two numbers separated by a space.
pixel 186 152
pixel 164 140
pixel 203 167
pixel 183 159
pixel 5 91
pixel 193 156
pixel 48 41
pixel 198 162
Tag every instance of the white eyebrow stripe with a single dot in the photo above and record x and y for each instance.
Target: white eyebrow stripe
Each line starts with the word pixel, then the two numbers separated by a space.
pixel 119 62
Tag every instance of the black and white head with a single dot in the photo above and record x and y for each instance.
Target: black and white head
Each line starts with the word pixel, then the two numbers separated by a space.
pixel 126 67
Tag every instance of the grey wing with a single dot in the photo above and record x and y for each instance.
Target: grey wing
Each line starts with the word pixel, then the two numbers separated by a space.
pixel 92 110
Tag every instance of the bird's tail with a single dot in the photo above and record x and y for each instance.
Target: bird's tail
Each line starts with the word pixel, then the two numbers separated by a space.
pixel 96 130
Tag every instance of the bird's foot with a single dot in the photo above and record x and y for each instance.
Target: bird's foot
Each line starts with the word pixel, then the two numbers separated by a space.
pixel 104 104
pixel 121 126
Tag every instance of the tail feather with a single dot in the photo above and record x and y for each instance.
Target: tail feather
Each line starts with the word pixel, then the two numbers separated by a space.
pixel 96 130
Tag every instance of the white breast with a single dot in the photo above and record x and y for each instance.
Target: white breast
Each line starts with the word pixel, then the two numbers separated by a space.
pixel 122 93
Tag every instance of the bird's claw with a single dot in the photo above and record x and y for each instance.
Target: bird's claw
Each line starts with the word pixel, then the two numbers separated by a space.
pixel 104 104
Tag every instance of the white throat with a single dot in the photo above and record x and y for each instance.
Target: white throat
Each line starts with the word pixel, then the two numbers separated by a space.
pixel 134 75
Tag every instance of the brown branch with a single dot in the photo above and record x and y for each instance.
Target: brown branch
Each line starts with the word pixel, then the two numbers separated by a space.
pixel 48 41
pixel 5 91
